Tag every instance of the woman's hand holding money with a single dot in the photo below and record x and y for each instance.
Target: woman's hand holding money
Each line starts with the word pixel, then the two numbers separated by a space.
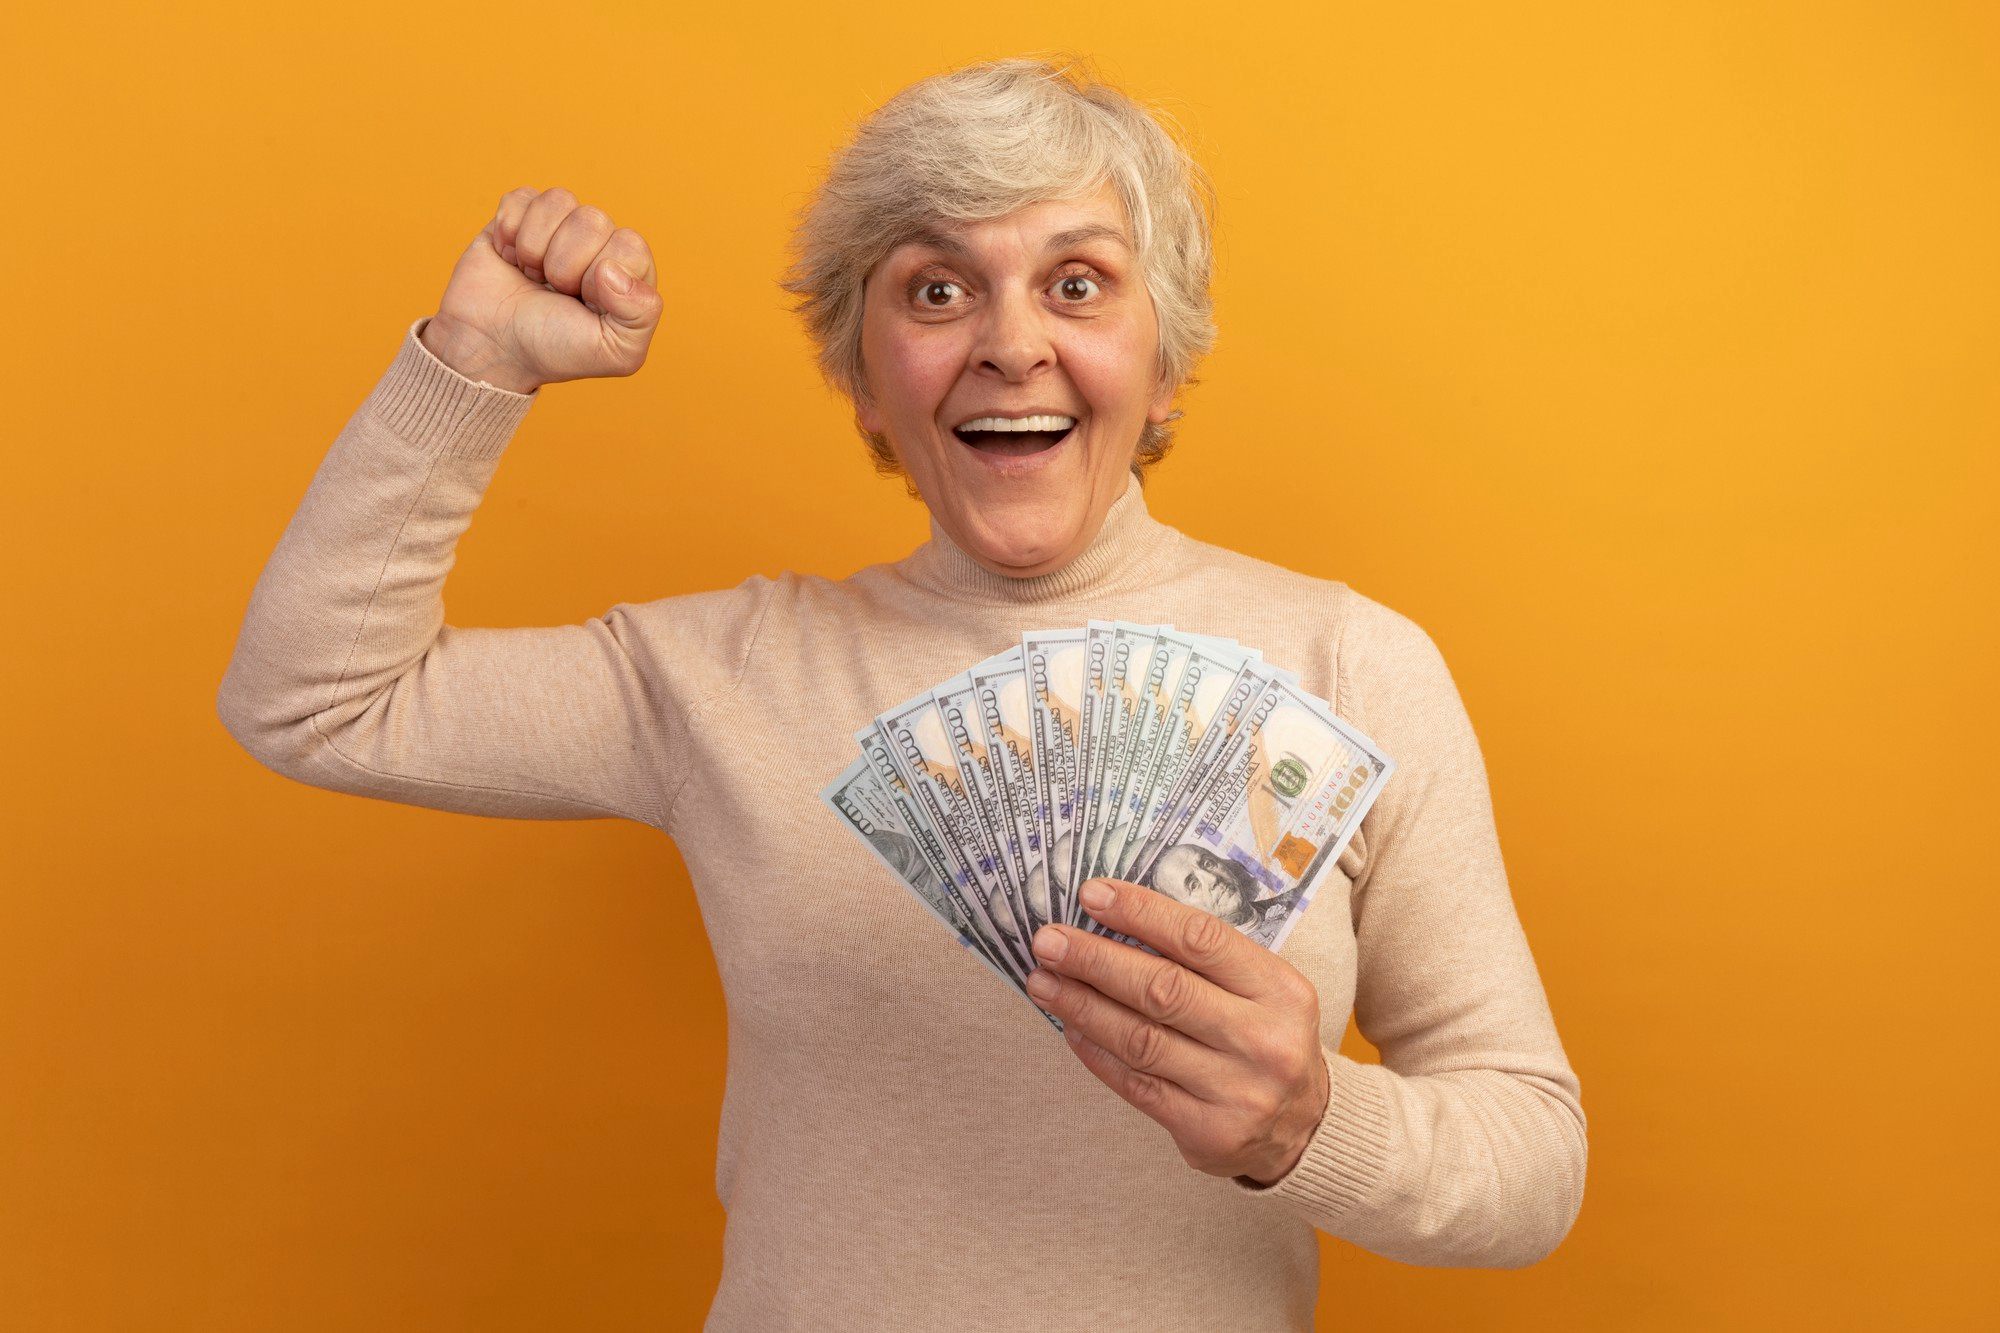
pixel 1218 1039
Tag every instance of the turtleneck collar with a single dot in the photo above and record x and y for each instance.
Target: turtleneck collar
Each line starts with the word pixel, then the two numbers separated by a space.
pixel 1129 550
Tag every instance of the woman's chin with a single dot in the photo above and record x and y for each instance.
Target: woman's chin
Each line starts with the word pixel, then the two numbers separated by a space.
pixel 1024 551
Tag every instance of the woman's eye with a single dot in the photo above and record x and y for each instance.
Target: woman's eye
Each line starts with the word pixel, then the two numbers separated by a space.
pixel 939 293
pixel 1076 288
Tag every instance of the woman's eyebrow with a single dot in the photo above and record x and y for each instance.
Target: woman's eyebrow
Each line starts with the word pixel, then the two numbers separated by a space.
pixel 941 241
pixel 1075 236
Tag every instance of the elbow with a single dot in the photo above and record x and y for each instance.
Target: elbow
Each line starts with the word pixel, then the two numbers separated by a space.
pixel 1545 1204
pixel 240 715
pixel 250 728
pixel 1510 1195
pixel 1479 1169
pixel 1537 1236
pixel 267 731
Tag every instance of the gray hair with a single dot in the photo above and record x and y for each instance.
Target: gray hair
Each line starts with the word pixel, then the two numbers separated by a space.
pixel 980 143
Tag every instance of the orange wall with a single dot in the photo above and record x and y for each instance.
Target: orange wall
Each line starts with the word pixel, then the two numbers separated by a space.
pixel 1645 354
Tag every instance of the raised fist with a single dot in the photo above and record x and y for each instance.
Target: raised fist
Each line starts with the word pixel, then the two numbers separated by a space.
pixel 535 298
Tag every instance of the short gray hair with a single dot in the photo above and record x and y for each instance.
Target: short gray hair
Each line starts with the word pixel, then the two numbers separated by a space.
pixel 980 143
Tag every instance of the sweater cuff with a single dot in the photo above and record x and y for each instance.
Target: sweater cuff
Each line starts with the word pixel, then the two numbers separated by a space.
pixel 1347 1156
pixel 440 412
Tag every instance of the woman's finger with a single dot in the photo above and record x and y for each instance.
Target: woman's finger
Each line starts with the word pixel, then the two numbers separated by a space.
pixel 506 224
pixel 1169 1104
pixel 1196 939
pixel 544 214
pixel 574 247
pixel 1159 988
pixel 1140 1044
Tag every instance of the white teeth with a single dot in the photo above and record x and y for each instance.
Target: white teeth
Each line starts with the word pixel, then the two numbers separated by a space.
pixel 1019 423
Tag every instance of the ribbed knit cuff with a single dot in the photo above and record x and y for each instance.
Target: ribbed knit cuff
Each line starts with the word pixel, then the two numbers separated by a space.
pixel 439 411
pixel 1348 1155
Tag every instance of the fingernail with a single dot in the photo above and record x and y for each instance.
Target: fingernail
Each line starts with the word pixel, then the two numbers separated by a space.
pixel 1041 985
pixel 1050 944
pixel 618 278
pixel 507 253
pixel 1097 895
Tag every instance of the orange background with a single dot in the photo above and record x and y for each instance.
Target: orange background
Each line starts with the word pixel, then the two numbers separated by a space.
pixel 1643 353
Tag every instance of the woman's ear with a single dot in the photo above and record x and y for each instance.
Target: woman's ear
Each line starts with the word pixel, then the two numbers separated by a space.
pixel 1161 410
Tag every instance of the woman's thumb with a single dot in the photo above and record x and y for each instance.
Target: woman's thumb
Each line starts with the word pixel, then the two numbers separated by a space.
pixel 627 298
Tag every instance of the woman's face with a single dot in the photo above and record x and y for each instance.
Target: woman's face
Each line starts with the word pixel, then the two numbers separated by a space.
pixel 1039 314
pixel 1199 879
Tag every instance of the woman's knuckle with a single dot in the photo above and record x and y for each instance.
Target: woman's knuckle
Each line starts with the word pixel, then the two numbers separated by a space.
pixel 1084 963
pixel 1288 1063
pixel 1146 1092
pixel 1204 937
pixel 1145 1047
pixel 1167 993
pixel 1267 1047
pixel 1296 990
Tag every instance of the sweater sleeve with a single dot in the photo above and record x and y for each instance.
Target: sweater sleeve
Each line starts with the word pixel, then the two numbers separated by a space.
pixel 346 676
pixel 1465 1147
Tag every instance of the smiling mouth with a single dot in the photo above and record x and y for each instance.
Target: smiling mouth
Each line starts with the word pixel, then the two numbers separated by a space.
pixel 1010 443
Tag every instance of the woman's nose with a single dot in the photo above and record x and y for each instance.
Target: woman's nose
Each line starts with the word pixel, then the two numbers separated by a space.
pixel 1014 340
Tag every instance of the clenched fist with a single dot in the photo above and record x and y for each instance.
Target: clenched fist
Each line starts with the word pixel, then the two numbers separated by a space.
pixel 549 291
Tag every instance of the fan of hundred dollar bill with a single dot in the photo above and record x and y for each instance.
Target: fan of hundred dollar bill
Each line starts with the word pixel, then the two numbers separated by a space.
pixel 1135 752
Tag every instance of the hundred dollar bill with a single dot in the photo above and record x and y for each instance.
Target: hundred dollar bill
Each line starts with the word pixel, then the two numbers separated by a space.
pixel 1176 760
pixel 1107 655
pixel 1210 753
pixel 1000 689
pixel 1138 664
pixel 1143 747
pixel 1053 661
pixel 858 797
pixel 943 859
pixel 1210 731
pixel 923 757
pixel 948 870
pixel 979 780
pixel 1089 747
pixel 1192 687
pixel 1144 751
pixel 1283 799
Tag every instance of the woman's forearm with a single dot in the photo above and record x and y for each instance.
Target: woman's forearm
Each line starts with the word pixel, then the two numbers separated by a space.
pixel 1472 1168
pixel 1466 1146
pixel 345 675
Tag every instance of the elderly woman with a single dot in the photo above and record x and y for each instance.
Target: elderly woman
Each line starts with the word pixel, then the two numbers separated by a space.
pixel 1007 272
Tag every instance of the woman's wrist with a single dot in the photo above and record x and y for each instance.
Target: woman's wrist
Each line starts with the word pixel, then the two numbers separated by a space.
pixel 473 357
pixel 1303 1124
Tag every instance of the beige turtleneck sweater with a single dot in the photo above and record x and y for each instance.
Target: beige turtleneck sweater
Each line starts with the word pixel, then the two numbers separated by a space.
pixel 879 1157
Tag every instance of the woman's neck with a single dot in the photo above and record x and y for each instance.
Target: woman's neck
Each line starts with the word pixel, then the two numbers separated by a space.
pixel 1128 542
